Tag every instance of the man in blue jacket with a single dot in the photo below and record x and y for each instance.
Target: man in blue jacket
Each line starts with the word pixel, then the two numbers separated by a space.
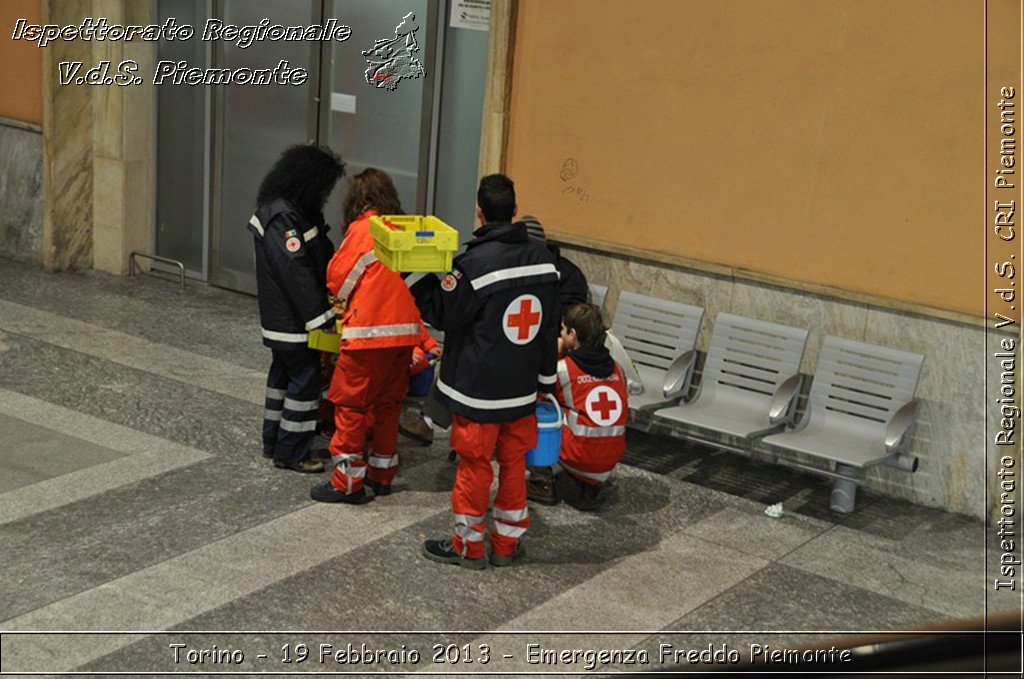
pixel 498 308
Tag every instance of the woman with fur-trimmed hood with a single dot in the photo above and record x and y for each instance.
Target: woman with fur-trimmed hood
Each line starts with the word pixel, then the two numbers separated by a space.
pixel 292 252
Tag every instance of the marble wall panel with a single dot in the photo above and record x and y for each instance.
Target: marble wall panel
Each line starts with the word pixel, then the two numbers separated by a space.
pixel 68 146
pixel 108 213
pixel 139 198
pixel 21 194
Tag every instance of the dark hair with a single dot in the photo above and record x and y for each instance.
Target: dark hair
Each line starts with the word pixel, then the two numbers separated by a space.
pixel 586 320
pixel 304 175
pixel 496 198
pixel 371 189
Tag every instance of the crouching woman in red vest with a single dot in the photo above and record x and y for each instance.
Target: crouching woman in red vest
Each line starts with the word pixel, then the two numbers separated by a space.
pixel 381 324
pixel 593 394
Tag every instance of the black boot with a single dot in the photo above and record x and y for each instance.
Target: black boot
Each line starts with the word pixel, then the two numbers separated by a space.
pixel 442 551
pixel 591 497
pixel 326 492
pixel 376 488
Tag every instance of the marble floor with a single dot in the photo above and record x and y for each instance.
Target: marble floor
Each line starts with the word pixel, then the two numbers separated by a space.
pixel 141 528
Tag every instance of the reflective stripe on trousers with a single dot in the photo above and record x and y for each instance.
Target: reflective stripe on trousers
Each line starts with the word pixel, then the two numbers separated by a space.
pixel 469 529
pixel 382 461
pixel 476 443
pixel 348 473
pixel 511 523
pixel 293 383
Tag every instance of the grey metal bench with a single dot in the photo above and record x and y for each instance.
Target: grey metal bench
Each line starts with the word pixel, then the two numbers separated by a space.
pixel 860 413
pixel 749 385
pixel 655 333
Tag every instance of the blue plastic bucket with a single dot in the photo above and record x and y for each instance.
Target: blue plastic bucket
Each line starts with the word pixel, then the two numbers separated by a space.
pixel 420 383
pixel 549 435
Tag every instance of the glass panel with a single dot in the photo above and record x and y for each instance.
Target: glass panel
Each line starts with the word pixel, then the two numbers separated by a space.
pixel 458 153
pixel 181 147
pixel 259 122
pixel 384 129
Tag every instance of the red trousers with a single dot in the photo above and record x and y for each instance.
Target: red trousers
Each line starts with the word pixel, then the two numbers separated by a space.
pixel 367 391
pixel 591 460
pixel 476 443
pixel 325 413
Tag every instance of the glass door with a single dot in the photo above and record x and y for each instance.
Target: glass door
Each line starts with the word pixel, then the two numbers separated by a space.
pixel 375 98
pixel 253 124
pixel 376 107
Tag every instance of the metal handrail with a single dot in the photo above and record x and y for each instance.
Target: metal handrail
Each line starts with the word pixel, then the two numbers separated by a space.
pixel 132 266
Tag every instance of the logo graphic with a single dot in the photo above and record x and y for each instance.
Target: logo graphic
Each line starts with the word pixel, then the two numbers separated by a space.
pixel 448 283
pixel 521 321
pixel 293 244
pixel 604 406
pixel 391 59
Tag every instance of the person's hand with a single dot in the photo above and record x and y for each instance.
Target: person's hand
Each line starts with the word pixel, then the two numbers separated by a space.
pixel 418 358
pixel 437 351
pixel 338 304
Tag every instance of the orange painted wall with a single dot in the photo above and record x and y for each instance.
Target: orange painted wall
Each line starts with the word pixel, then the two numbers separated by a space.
pixel 21 65
pixel 827 142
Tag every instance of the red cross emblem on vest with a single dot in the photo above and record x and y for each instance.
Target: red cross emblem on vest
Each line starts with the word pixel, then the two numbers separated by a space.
pixel 604 406
pixel 521 320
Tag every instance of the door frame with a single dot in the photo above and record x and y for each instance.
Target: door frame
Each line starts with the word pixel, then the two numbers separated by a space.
pixel 318 125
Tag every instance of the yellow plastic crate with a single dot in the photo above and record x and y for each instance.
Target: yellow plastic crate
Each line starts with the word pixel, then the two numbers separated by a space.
pixel 418 244
pixel 326 340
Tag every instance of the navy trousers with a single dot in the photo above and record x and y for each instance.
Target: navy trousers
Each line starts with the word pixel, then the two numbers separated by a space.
pixel 293 400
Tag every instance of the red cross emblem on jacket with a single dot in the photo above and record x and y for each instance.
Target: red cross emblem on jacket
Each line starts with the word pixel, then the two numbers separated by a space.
pixel 521 320
pixel 604 406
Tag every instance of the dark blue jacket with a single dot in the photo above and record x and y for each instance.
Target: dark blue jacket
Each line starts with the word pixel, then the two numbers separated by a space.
pixel 291 274
pixel 500 314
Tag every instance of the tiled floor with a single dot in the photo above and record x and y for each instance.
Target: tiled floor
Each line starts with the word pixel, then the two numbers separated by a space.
pixel 133 498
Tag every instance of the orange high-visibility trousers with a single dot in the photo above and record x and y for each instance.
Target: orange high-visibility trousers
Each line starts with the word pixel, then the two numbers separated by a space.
pixel 476 443
pixel 367 391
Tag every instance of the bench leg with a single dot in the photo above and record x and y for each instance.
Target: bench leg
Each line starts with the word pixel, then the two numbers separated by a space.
pixel 844 491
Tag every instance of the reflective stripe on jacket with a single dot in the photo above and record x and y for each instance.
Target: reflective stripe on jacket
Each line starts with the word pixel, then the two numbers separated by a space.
pixel 380 311
pixel 596 409
pixel 291 263
pixel 500 314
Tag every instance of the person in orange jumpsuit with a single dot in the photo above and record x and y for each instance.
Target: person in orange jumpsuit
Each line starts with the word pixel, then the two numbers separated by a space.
pixel 381 324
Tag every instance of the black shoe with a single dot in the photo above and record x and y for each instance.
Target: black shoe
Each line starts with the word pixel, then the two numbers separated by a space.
pixel 501 560
pixel 377 488
pixel 443 552
pixel 269 454
pixel 325 492
pixel 591 497
pixel 306 466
